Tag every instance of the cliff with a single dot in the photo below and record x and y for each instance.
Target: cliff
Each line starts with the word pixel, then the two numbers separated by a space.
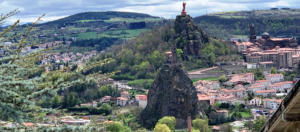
pixel 189 37
pixel 171 94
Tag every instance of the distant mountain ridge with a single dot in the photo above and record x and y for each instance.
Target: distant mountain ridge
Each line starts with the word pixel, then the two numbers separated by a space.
pixel 277 22
pixel 99 16
pixel 96 30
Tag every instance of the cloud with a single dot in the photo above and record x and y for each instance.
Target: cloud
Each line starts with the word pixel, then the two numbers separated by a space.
pixel 55 9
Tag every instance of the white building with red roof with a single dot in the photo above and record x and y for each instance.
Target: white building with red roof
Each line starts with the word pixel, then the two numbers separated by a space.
pixel 121 101
pixel 283 87
pixel 142 100
pixel 265 93
pixel 271 103
pixel 274 77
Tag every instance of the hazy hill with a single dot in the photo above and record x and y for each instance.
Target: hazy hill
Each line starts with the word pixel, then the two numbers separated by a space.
pixel 278 22
pixel 98 16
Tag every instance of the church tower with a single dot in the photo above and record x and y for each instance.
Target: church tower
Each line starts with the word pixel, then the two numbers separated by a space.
pixel 252 36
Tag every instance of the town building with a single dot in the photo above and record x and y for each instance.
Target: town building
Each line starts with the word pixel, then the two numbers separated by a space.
pixel 273 78
pixel 283 87
pixel 90 104
pixel 280 52
pixel 265 93
pixel 240 78
pixel 125 94
pixel 121 101
pixel 255 102
pixel 142 100
pixel 105 99
pixel 271 103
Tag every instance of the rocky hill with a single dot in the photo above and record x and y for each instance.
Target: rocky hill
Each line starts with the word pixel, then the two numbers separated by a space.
pixel 189 37
pixel 140 58
pixel 171 94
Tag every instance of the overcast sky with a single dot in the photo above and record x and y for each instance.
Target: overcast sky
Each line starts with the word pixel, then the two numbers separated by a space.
pixel 55 9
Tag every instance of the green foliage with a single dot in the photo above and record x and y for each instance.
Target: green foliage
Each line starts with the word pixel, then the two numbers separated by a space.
pixel 273 70
pixel 56 102
pixel 141 83
pixel 194 130
pixel 106 108
pixel 258 75
pixel 21 82
pixel 170 121
pixel 70 100
pixel 179 52
pixel 115 127
pixel 161 128
pixel 130 118
pixel 108 90
pixel 258 124
pixel 222 79
pixel 209 52
pixel 201 125
pixel 100 44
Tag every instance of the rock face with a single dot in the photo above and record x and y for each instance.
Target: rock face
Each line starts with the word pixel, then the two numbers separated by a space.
pixel 189 37
pixel 171 94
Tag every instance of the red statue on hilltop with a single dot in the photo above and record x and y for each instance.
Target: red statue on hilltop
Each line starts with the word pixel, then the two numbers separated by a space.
pixel 183 10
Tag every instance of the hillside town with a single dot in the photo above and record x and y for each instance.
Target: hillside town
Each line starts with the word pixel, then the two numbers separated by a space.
pixel 112 71
pixel 265 51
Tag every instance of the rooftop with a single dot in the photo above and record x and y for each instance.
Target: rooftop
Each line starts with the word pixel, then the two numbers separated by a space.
pixel 266 91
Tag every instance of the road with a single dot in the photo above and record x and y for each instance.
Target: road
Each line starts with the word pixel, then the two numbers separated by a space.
pixel 202 70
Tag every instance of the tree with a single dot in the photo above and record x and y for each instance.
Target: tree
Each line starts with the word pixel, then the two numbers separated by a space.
pixel 161 128
pixel 201 125
pixel 70 100
pixel 170 121
pixel 258 75
pixel 273 70
pixel 115 127
pixel 56 101
pixel 250 95
pixel 222 79
pixel 21 83
pixel 248 124
pixel 108 90
pixel 259 123
pixel 106 108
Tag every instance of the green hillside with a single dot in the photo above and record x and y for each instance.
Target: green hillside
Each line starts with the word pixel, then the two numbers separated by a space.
pixel 96 26
pixel 278 22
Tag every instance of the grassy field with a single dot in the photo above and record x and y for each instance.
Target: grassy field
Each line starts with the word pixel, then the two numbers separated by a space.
pixel 118 19
pixel 246 114
pixel 124 34
pixel 88 35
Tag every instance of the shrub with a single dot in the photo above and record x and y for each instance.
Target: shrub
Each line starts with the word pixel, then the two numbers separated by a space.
pixel 170 121
pixel 162 128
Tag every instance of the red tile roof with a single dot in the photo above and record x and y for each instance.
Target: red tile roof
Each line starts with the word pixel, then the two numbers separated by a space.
pixel 141 97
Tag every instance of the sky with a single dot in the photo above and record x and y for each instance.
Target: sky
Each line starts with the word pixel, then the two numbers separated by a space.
pixel 55 9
